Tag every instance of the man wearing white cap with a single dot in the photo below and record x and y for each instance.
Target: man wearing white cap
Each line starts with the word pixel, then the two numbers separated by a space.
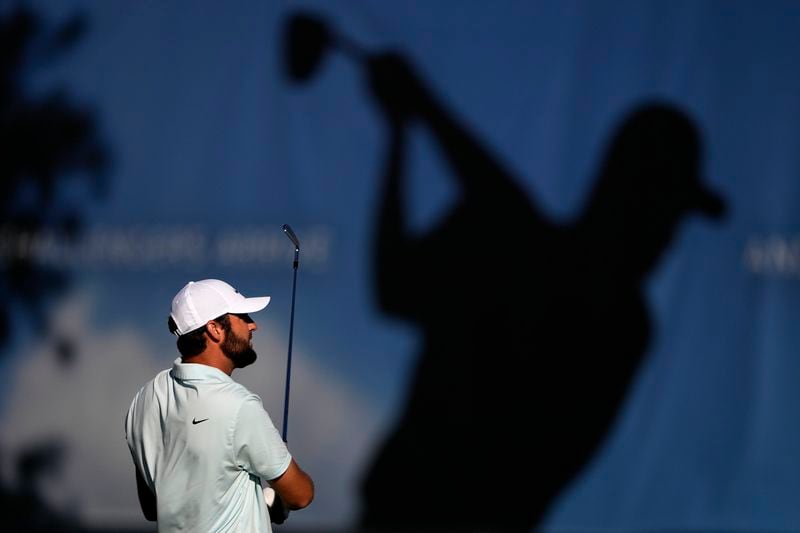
pixel 202 443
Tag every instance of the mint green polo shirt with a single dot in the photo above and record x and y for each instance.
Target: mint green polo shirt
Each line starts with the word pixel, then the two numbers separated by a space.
pixel 203 443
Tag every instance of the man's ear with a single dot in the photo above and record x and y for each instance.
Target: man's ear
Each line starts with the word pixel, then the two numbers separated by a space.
pixel 215 331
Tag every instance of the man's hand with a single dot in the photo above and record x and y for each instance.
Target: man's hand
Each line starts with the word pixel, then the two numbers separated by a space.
pixel 278 513
pixel 395 86
pixel 297 489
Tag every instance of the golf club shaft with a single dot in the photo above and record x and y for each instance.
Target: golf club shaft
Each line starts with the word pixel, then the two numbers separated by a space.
pixel 350 48
pixel 289 357
pixel 292 237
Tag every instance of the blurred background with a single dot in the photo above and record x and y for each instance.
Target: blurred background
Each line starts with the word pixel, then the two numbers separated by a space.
pixel 146 144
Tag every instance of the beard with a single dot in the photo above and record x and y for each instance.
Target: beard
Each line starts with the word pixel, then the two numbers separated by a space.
pixel 238 350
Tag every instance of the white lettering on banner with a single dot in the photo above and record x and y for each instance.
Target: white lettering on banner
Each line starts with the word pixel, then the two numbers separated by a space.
pixel 773 256
pixel 161 247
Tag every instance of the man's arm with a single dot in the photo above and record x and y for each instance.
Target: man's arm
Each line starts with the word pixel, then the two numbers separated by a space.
pixel 294 487
pixel 403 95
pixel 260 450
pixel 146 498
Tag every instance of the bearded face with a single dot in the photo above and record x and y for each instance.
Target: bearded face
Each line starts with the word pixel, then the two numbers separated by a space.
pixel 238 349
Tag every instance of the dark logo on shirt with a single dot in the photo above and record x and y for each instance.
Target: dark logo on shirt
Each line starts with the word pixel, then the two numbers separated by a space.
pixel 195 421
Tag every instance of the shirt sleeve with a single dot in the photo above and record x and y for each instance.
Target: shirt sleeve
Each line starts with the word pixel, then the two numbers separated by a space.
pixel 257 445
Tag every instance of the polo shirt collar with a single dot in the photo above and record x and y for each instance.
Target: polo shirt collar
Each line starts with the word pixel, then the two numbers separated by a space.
pixel 197 372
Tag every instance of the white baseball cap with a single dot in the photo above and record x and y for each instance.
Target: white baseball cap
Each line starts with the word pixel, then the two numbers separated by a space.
pixel 204 300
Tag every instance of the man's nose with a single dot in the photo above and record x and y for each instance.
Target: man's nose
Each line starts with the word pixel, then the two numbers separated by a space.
pixel 252 326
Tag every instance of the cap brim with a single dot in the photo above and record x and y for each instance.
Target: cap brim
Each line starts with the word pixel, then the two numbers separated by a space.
pixel 250 305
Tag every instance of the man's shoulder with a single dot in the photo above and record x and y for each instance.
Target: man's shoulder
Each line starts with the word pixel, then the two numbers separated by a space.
pixel 238 392
pixel 228 400
pixel 155 382
pixel 227 395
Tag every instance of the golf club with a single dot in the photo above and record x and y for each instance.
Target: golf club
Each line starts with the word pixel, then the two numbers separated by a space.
pixel 307 40
pixel 292 237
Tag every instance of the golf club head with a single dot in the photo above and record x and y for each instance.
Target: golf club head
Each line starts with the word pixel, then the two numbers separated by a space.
pixel 307 39
pixel 292 237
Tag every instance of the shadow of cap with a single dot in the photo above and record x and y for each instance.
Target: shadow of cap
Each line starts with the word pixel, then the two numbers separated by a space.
pixel 656 151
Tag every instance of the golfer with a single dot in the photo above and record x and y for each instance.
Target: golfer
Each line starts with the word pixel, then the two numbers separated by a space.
pixel 201 443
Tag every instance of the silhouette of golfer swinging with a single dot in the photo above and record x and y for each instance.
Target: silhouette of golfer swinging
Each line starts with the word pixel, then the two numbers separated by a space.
pixel 532 331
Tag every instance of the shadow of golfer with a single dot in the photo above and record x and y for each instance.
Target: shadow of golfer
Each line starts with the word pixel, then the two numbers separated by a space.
pixel 532 330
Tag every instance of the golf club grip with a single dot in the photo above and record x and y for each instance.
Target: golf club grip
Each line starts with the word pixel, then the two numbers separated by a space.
pixel 292 237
